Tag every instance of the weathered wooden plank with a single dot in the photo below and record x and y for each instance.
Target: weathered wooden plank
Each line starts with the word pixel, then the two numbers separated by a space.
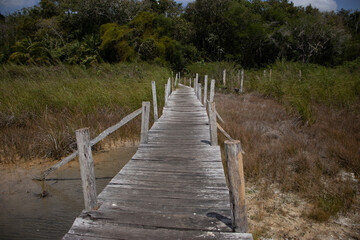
pixel 107 230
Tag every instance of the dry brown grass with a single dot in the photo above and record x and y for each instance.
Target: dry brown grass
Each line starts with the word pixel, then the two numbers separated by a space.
pixel 41 107
pixel 319 163
pixel 53 136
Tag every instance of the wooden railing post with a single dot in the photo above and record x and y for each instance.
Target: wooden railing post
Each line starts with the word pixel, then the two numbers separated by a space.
pixel 212 123
pixel 86 168
pixel 189 82
pixel 205 90
pixel 145 122
pixel 212 91
pixel 236 180
pixel 224 77
pixel 242 80
pixel 169 87
pixel 166 94
pixel 176 79
pixel 196 83
pixel 199 92
pixel 156 116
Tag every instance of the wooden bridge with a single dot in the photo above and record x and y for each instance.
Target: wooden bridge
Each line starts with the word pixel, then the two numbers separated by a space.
pixel 174 187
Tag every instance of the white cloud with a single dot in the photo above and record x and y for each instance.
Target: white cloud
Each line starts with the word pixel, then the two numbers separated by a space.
pixel 322 5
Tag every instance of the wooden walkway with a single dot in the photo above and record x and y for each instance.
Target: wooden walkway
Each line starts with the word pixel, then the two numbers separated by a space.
pixel 173 187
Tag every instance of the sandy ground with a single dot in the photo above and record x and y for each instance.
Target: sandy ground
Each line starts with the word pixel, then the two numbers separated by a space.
pixel 273 214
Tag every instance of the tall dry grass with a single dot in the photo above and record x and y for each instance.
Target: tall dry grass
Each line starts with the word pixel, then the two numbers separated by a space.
pixel 320 162
pixel 41 107
pixel 337 88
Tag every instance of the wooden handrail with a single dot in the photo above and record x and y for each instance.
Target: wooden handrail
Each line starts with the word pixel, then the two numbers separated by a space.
pixel 100 137
pixel 224 132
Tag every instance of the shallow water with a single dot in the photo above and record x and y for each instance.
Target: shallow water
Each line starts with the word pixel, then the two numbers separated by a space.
pixel 24 215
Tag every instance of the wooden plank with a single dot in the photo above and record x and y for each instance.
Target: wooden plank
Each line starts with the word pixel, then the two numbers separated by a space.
pixel 102 229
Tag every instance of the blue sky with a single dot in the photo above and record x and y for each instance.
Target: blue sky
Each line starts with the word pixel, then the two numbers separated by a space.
pixel 8 6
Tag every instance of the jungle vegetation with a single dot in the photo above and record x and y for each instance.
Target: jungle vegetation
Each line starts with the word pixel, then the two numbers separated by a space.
pixel 250 33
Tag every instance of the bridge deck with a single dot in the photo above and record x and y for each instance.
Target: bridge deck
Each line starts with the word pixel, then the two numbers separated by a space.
pixel 173 187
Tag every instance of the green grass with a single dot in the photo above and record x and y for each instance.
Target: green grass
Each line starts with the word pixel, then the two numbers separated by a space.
pixel 47 104
pixel 333 87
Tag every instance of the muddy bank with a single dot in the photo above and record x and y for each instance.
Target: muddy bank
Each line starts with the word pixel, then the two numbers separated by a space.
pixel 25 215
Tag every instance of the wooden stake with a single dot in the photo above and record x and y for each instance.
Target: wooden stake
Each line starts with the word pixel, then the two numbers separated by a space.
pixel 86 168
pixel 189 82
pixel 236 180
pixel 212 123
pixel 264 73
pixel 145 122
pixel 156 116
pixel 300 75
pixel 212 91
pixel 205 90
pixel 270 74
pixel 166 94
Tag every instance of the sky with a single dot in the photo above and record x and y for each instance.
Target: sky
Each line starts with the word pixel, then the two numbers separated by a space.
pixel 9 6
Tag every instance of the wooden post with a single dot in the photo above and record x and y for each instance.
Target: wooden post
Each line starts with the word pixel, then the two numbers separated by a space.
pixel 265 73
pixel 199 92
pixel 169 87
pixel 300 75
pixel 205 90
pixel 166 94
pixel 238 78
pixel 212 91
pixel 145 122
pixel 173 83
pixel 236 180
pixel 224 77
pixel 196 83
pixel 270 74
pixel 189 82
pixel 212 124
pixel 242 80
pixel 156 116
pixel 86 168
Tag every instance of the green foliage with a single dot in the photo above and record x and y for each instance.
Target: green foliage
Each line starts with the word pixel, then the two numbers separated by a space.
pixel 27 51
pixel 250 33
